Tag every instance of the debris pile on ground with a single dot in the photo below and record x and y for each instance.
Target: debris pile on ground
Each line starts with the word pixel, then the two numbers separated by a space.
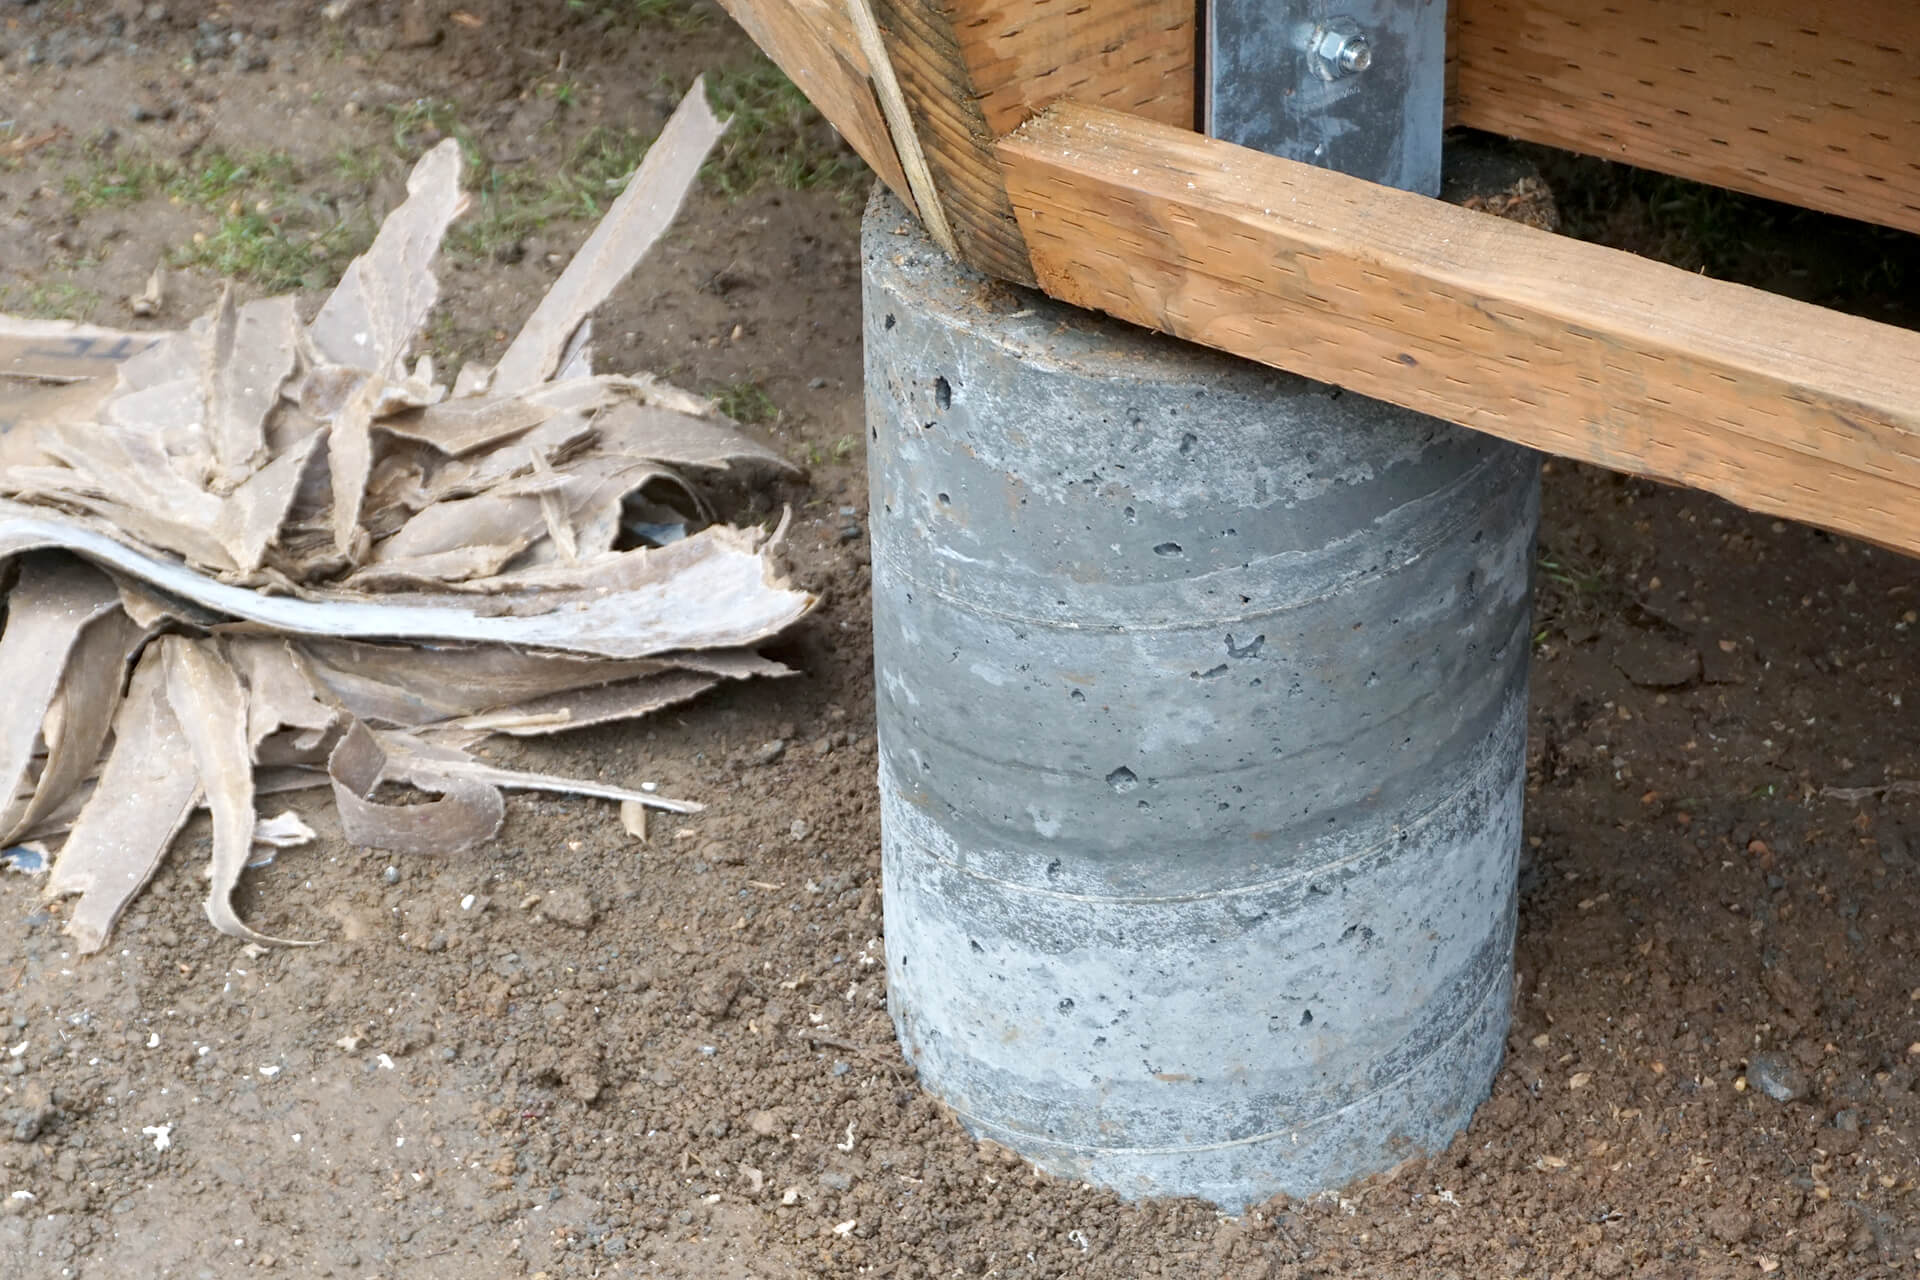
pixel 262 555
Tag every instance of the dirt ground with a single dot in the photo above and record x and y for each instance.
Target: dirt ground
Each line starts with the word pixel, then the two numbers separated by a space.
pixel 569 1055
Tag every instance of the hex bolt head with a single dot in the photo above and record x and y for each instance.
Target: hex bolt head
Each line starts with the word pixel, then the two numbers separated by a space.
pixel 1339 49
pixel 1355 56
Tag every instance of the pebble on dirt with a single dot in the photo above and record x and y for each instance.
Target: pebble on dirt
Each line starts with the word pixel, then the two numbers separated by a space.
pixel 1777 1077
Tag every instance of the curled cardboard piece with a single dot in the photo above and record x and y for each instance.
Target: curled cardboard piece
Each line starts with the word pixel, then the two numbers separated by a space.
pixel 323 569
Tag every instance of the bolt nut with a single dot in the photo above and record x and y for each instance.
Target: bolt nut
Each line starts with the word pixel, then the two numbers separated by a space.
pixel 1338 49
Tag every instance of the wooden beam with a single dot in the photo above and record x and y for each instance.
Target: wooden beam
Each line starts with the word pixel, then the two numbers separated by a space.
pixel 970 70
pixel 1814 102
pixel 973 69
pixel 813 42
pixel 1135 56
pixel 1568 347
pixel 954 134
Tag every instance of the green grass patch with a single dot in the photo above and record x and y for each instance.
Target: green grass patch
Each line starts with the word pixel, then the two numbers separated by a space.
pixel 265 232
pixel 425 121
pixel 251 246
pixel 51 300
pixel 775 138
pixel 512 203
pixel 115 178
pixel 1571 575
pixel 746 402
pixel 219 178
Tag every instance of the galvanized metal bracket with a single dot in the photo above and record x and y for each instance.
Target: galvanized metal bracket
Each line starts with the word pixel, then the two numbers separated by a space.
pixel 1353 85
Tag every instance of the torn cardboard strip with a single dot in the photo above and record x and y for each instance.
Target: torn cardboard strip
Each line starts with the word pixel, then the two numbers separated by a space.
pixel 256 555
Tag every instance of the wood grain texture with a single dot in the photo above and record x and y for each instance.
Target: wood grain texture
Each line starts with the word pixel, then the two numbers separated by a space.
pixel 980 68
pixel 953 132
pixel 1131 55
pixel 1814 102
pixel 972 69
pixel 1568 347
pixel 814 43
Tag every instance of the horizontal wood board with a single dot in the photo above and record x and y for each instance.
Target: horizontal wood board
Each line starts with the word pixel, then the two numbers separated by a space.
pixel 1813 102
pixel 1568 347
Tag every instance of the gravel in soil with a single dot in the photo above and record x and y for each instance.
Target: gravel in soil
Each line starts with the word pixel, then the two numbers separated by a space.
pixel 574 1055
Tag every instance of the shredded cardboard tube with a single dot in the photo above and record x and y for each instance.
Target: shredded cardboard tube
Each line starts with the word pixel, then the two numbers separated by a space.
pixel 324 569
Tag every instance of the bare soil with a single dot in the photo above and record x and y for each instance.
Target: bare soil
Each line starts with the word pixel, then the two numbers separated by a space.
pixel 571 1055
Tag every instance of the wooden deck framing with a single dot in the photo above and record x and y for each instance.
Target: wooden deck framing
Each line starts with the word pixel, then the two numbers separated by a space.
pixel 1814 102
pixel 1059 139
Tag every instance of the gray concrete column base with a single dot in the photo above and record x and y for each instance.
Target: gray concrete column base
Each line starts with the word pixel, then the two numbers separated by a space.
pixel 1202 703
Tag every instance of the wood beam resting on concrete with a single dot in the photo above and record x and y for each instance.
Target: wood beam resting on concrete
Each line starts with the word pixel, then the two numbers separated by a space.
pixel 1575 349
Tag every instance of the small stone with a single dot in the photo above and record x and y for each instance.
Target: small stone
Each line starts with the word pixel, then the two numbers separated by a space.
pixel 1847 1120
pixel 417 27
pixel 841 1068
pixel 716 995
pixel 391 875
pixel 834 1180
pixel 569 905
pixel 210 43
pixel 764 1124
pixel 769 752
pixel 798 830
pixel 1777 1077
pixel 24 1124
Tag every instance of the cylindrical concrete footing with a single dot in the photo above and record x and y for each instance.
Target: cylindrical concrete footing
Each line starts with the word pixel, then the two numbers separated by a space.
pixel 1202 697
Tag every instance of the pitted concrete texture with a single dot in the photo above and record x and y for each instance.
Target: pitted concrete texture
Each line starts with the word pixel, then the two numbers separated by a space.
pixel 1202 696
